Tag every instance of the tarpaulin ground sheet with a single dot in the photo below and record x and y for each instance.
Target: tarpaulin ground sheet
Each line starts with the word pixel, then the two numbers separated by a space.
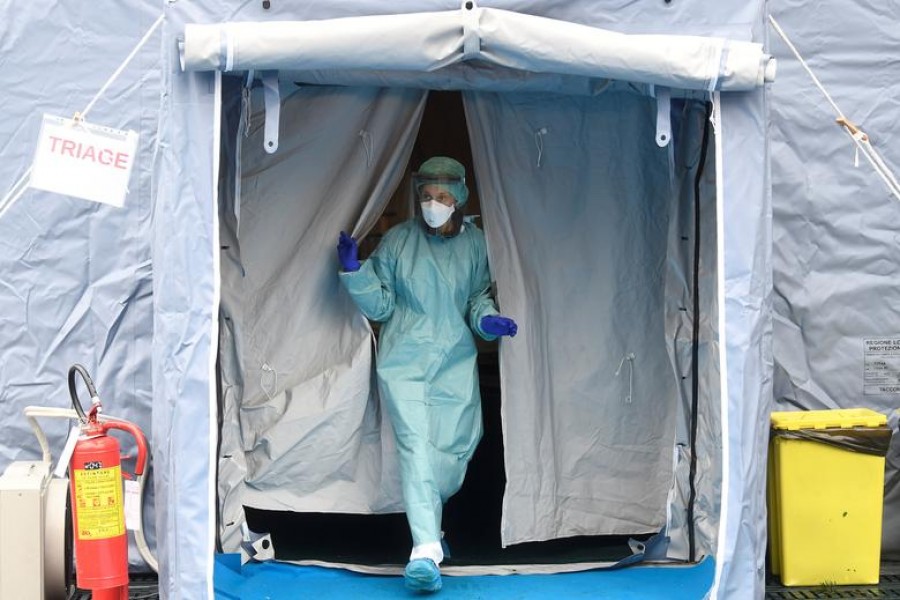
pixel 276 581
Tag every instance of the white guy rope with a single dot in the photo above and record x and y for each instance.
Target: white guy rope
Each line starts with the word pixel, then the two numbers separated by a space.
pixel 124 64
pixel 15 192
pixel 860 138
pixel 21 185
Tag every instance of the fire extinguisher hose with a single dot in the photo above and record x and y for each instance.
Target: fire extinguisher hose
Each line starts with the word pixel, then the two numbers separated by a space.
pixel 139 539
pixel 73 393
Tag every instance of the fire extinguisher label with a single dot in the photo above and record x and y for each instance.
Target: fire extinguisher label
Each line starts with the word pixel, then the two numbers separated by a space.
pixel 98 500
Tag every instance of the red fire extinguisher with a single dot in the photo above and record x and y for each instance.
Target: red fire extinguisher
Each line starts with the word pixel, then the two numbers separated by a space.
pixel 98 511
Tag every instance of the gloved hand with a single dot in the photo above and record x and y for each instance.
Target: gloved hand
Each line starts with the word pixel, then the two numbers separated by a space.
pixel 499 325
pixel 348 252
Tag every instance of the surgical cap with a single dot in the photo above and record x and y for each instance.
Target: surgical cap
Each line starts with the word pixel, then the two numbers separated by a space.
pixel 442 166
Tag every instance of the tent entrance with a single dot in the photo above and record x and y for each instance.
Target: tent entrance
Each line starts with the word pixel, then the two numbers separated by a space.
pixel 600 217
pixel 471 518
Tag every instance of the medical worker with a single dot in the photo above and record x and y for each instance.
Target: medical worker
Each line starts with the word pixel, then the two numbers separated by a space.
pixel 428 282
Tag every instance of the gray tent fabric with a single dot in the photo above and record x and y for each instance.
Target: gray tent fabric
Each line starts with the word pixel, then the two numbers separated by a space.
pixel 836 257
pixel 104 318
pixel 185 298
pixel 746 283
pixel 75 276
pixel 307 425
pixel 577 231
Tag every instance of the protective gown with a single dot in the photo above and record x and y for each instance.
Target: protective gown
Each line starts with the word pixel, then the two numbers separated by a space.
pixel 431 293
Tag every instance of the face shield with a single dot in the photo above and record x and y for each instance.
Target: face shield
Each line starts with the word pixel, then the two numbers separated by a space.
pixel 437 203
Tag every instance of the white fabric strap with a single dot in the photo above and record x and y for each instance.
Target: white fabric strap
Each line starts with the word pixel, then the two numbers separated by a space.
pixel 663 116
pixel 471 38
pixel 539 142
pixel 223 49
pixel 366 138
pixel 630 358
pixel 229 48
pixel 430 550
pixel 268 390
pixel 722 52
pixel 272 96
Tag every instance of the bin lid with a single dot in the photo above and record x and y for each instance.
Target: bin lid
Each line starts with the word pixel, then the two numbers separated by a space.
pixel 844 418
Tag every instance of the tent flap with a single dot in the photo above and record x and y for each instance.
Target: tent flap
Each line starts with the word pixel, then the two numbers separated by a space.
pixel 424 42
pixel 305 430
pixel 577 232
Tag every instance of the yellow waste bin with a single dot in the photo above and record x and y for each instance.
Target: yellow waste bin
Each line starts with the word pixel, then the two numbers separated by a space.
pixel 825 496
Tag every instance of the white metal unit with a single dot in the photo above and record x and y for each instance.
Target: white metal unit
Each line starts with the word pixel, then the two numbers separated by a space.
pixel 32 532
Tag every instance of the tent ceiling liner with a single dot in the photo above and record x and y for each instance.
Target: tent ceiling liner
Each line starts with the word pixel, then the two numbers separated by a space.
pixel 499 37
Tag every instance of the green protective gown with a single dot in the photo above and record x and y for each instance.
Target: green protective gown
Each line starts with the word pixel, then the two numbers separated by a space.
pixel 431 293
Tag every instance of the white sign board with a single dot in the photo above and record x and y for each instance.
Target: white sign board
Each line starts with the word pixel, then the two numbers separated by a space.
pixel 881 369
pixel 83 160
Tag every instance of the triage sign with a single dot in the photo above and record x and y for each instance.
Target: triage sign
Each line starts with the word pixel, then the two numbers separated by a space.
pixel 83 160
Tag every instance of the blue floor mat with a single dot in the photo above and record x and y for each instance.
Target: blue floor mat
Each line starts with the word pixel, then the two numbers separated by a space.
pixel 278 581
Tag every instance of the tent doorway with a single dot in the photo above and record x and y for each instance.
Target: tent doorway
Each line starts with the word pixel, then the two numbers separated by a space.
pixel 472 517
pixel 654 204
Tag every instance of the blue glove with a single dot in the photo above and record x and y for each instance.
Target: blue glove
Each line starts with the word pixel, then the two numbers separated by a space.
pixel 499 325
pixel 347 252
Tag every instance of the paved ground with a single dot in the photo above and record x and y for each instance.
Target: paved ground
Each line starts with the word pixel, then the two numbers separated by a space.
pixel 887 588
pixel 142 587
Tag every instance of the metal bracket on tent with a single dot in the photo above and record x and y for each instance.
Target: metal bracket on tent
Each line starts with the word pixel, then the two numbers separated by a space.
pixel 471 39
pixel 663 115
pixel 256 546
pixel 272 96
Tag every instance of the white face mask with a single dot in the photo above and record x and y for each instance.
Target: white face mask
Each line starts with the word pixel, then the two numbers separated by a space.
pixel 435 213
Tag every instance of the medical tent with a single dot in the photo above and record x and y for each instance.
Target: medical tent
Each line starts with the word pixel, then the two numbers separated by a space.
pixel 621 155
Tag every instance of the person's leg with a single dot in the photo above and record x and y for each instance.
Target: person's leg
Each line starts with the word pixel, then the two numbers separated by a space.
pixel 435 437
pixel 421 493
pixel 422 500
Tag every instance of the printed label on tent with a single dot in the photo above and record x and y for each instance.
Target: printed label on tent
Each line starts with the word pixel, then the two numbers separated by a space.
pixel 881 370
pixel 98 501
pixel 83 160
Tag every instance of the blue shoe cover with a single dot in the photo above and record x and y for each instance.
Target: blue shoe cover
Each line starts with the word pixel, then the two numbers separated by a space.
pixel 422 575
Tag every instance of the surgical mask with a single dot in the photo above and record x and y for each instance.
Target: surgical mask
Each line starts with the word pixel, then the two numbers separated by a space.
pixel 435 213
